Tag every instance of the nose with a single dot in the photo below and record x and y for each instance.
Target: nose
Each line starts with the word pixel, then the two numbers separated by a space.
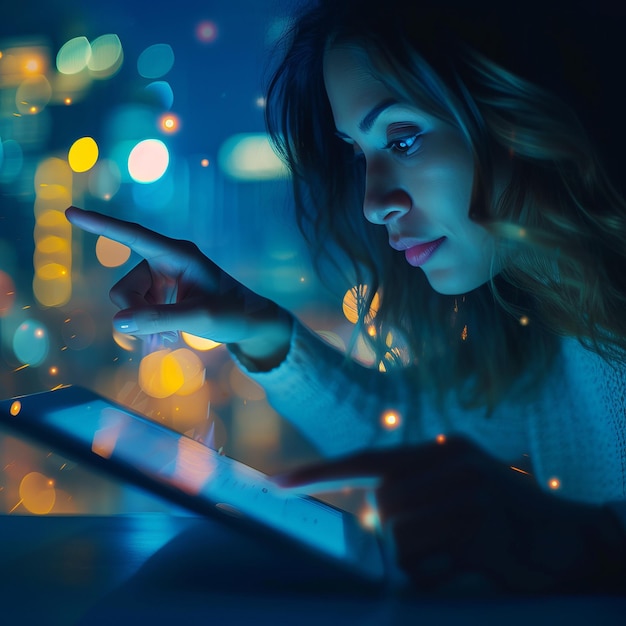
pixel 386 206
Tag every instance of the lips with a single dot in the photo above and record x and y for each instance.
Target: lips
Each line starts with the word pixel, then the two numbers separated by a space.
pixel 417 253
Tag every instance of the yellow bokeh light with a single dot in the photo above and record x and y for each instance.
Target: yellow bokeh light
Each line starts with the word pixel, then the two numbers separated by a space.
pixel 52 293
pixel 53 171
pixel 441 438
pixel 354 299
pixel 52 244
pixel 204 163
pixel 16 407
pixel 52 271
pixel 159 376
pixel 193 371
pixel 524 320
pixel 37 493
pixel 164 373
pixel 198 343
pixel 111 253
pixel 83 154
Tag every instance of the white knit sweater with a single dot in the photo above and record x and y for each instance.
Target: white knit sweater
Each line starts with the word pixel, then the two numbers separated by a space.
pixel 573 429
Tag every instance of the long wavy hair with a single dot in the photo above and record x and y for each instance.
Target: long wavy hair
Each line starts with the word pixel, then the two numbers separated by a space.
pixel 560 221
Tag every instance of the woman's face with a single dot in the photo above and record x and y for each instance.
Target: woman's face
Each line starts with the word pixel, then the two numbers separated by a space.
pixel 419 177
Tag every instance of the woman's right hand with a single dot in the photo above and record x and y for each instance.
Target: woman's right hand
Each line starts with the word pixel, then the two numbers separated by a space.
pixel 177 288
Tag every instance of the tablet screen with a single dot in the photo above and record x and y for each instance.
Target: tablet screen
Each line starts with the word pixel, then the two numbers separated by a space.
pixel 199 471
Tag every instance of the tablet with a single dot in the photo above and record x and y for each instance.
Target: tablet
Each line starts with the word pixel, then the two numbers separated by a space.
pixel 102 434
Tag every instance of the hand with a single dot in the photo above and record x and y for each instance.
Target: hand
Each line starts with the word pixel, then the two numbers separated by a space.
pixel 176 287
pixel 452 512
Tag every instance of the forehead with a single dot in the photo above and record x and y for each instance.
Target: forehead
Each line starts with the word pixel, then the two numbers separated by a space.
pixel 350 85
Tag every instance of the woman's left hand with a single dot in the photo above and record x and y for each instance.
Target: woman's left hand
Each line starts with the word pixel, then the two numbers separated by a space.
pixel 450 510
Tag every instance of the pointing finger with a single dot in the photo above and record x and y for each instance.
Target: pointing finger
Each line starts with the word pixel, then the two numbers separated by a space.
pixel 145 242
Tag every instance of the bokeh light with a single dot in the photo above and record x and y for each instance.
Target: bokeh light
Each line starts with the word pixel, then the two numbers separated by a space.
pixel 74 56
pixel 354 299
pixel 83 154
pixel 104 179
pixel 198 343
pixel 155 61
pixel 160 93
pixel 206 31
pixel 148 161
pixel 106 56
pixel 31 342
pixel 111 253
pixel 249 156
pixel 33 95
pixel 37 493
pixel 163 373
pixel 169 123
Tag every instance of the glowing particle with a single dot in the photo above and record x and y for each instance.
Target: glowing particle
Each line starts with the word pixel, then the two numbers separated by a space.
pixel 369 518
pixel 83 154
pixel 441 438
pixel 204 162
pixel 67 101
pixel 524 320
pixel 169 123
pixel 206 31
pixel 391 420
pixel 260 102
pixel 16 407
pixel 148 161
pixel 464 333
pixel 554 483
pixel 53 371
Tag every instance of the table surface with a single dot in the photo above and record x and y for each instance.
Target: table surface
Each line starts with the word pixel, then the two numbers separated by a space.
pixel 164 568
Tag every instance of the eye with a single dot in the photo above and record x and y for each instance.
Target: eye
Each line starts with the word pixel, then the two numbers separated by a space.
pixel 407 145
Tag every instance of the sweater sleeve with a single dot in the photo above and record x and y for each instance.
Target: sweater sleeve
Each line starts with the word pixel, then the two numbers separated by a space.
pixel 337 404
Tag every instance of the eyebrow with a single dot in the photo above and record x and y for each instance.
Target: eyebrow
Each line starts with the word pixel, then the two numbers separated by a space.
pixel 365 125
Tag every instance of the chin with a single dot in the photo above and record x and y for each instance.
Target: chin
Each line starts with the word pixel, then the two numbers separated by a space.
pixel 449 283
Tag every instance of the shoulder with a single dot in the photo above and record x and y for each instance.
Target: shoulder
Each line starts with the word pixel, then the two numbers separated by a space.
pixel 592 373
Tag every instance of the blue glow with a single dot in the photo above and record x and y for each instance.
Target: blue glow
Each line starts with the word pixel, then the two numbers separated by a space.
pixel 31 342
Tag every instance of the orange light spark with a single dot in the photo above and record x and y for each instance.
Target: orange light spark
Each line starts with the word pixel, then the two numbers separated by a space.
pixel 441 438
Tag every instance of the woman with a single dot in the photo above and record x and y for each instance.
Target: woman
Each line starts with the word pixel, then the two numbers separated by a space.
pixel 494 241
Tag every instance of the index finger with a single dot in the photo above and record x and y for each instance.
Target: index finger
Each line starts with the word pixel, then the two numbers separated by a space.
pixel 143 241
pixel 368 469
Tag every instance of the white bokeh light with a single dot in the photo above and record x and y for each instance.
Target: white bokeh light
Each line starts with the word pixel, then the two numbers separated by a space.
pixel 148 161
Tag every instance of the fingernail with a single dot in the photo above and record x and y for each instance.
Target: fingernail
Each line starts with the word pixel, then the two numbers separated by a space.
pixel 125 325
